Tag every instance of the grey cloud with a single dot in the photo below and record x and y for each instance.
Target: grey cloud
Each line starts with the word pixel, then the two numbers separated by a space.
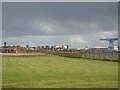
pixel 0 22
pixel 19 19
pixel 39 27
pixel 75 24
pixel 60 1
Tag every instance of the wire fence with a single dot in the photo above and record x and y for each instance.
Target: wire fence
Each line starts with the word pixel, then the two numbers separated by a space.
pixel 104 55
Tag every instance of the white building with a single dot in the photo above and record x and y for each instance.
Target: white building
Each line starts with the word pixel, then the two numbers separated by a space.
pixel 116 48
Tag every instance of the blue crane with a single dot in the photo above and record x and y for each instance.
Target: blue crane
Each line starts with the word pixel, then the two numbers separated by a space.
pixel 110 41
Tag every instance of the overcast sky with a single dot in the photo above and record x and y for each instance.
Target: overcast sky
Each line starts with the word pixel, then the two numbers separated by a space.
pixel 60 0
pixel 76 24
pixel 0 23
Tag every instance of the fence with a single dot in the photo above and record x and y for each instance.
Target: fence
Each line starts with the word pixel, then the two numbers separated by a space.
pixel 104 55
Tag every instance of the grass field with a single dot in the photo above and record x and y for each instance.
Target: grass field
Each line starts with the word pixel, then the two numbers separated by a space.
pixel 58 72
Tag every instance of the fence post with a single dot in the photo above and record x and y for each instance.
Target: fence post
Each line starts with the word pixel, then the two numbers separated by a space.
pixel 112 55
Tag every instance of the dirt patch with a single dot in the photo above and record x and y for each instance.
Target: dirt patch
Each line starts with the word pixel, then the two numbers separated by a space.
pixel 20 54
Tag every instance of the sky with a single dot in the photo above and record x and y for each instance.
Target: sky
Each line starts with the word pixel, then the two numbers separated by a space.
pixel 77 24
pixel 0 23
pixel 60 0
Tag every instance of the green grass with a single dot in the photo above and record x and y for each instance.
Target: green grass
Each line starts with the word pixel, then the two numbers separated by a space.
pixel 58 72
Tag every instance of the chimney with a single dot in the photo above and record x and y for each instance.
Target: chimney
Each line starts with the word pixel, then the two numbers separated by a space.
pixel 5 44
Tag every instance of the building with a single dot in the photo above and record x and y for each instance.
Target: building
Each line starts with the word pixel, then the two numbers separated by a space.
pixel 62 47
pixel 12 49
pixel 8 49
pixel 116 48
pixel 20 49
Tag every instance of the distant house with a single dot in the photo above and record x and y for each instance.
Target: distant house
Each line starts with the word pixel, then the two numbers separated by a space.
pixel 12 49
pixel 20 49
pixel 8 49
